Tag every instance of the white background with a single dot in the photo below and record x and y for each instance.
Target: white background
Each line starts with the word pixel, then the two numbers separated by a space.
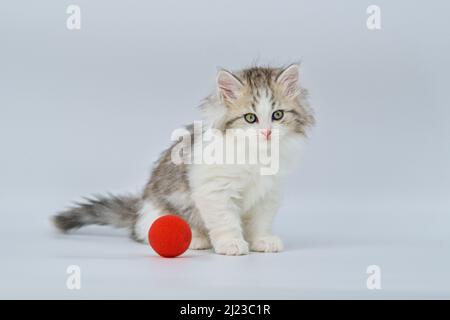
pixel 88 111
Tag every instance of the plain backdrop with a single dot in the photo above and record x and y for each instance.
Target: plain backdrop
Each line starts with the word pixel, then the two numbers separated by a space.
pixel 88 111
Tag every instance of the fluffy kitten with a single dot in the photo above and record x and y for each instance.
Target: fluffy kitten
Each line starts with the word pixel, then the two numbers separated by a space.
pixel 229 207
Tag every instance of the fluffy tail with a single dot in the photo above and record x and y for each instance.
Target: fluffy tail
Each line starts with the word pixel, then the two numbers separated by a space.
pixel 118 211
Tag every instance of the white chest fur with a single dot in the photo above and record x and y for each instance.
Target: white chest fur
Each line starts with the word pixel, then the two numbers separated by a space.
pixel 258 187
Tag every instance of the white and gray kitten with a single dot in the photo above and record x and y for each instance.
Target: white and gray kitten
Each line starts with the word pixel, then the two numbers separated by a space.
pixel 229 207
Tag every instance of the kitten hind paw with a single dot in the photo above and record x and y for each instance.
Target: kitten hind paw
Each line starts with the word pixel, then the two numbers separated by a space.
pixel 200 242
pixel 232 247
pixel 266 244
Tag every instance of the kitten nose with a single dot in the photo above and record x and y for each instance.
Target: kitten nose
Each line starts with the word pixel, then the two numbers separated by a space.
pixel 266 133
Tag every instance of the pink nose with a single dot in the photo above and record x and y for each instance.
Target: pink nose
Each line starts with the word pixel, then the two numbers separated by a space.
pixel 266 133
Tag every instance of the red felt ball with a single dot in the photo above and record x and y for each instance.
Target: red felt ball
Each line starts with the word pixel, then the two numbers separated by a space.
pixel 169 236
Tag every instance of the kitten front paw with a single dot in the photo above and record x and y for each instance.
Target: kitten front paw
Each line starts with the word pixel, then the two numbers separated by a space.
pixel 266 244
pixel 200 242
pixel 138 237
pixel 232 247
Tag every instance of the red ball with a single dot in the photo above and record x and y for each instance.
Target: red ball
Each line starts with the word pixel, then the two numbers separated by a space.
pixel 169 236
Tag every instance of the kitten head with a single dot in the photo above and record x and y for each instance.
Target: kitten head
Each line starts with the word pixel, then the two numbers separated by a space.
pixel 260 98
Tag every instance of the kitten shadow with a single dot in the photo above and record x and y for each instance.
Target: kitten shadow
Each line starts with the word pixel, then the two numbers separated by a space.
pixel 322 242
pixel 93 231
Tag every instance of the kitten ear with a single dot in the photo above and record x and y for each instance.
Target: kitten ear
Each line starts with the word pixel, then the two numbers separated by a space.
pixel 229 85
pixel 288 79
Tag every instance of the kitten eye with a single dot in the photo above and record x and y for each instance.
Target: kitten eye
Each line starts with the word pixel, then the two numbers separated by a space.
pixel 250 117
pixel 277 115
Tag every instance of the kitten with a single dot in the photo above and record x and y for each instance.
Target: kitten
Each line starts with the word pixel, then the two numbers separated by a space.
pixel 230 207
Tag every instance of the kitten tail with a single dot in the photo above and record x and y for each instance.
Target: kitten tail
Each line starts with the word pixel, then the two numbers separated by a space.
pixel 118 211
